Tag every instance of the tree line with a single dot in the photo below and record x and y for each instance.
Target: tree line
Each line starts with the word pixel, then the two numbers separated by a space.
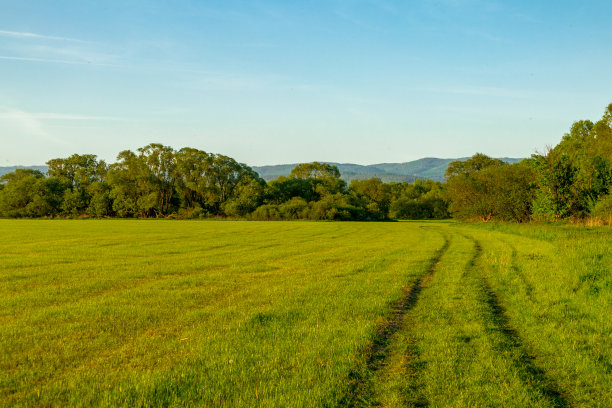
pixel 570 180
pixel 158 181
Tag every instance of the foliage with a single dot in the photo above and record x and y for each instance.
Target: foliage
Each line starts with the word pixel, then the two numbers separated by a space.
pixel 573 175
pixel 423 199
pixel 603 209
pixel 27 193
pixel 156 181
pixel 567 181
pixel 484 188
pixel 373 195
pixel 314 170
pixel 570 180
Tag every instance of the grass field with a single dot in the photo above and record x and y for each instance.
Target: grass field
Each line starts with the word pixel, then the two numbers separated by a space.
pixel 283 314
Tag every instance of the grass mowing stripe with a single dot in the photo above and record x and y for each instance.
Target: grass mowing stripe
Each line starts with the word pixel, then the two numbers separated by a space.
pixel 510 341
pixel 278 325
pixel 360 392
pixel 241 314
pixel 292 254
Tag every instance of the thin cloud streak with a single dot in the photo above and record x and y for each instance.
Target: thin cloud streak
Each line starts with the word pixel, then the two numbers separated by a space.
pixel 18 114
pixel 29 125
pixel 26 35
pixel 57 61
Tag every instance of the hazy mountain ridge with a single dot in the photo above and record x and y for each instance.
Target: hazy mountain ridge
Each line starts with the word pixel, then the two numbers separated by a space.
pixel 426 168
pixel 8 169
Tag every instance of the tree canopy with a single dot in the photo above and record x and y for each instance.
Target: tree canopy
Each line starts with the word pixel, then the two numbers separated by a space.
pixel 158 181
pixel 570 180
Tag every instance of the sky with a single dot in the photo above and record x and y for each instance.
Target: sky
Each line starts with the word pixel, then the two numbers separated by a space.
pixel 271 82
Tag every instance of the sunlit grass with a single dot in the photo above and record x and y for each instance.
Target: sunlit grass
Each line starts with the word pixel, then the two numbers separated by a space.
pixel 173 313
pixel 556 284
pixel 179 313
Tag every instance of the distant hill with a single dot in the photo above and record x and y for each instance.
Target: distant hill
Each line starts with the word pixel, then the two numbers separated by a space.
pixel 427 168
pixel 9 169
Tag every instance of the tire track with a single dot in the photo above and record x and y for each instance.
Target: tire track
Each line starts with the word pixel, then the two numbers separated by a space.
pixel 360 389
pixel 518 271
pixel 530 374
pixel 595 358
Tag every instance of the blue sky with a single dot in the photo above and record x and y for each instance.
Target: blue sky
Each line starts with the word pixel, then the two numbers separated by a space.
pixel 271 82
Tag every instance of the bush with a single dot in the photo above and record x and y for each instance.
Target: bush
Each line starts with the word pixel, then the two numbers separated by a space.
pixel 191 213
pixel 603 209
pixel 294 209
pixel 266 212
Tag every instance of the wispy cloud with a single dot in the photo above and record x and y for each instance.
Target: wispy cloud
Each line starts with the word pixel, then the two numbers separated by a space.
pixel 26 35
pixel 39 125
pixel 22 123
pixel 56 61
pixel 34 47
pixel 19 114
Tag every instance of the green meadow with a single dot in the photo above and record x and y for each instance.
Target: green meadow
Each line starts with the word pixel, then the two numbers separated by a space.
pixel 304 314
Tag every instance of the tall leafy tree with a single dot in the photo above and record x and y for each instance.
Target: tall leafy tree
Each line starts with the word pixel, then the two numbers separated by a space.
pixel 192 168
pixel 158 169
pixel 577 172
pixel 77 174
pixel 373 195
pixel 28 193
pixel 485 188
pixel 315 170
pixel 128 181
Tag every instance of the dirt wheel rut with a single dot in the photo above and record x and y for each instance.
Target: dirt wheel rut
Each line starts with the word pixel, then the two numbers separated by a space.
pixel 523 361
pixel 360 392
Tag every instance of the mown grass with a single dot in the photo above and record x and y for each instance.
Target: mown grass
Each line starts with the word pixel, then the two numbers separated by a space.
pixel 147 313
pixel 556 285
pixel 179 313
pixel 513 316
pixel 459 353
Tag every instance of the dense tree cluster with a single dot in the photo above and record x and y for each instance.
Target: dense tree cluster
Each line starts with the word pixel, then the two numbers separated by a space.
pixel 325 196
pixel 157 181
pixel 571 180
pixel 485 188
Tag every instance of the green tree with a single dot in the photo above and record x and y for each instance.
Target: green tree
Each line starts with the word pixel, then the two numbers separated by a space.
pixel 100 204
pixel 158 163
pixel 573 175
pixel 246 196
pixel 471 166
pixel 314 170
pixel 77 173
pixel 284 189
pixel 484 188
pixel 28 193
pixel 128 183
pixel 372 195
pixel 192 167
